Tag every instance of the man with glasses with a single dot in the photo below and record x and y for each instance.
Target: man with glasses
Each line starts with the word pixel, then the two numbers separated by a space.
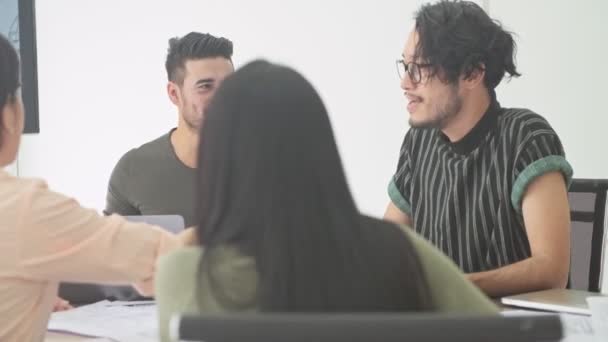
pixel 486 185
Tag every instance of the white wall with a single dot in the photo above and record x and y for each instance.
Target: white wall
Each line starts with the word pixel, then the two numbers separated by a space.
pixel 562 55
pixel 102 79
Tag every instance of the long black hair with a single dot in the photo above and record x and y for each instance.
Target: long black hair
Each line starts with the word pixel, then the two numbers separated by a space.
pixel 271 184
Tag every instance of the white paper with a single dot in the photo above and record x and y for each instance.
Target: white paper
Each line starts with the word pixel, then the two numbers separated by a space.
pixel 106 319
pixel 577 328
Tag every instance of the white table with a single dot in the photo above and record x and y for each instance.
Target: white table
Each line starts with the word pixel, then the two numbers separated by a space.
pixel 61 337
pixel 121 321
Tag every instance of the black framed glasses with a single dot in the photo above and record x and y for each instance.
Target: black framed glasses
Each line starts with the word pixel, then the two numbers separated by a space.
pixel 413 70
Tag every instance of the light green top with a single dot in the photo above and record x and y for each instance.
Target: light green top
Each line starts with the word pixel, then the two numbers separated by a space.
pixel 176 284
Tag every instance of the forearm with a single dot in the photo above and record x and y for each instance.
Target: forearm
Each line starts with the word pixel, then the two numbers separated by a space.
pixel 75 244
pixel 395 215
pixel 547 221
pixel 532 274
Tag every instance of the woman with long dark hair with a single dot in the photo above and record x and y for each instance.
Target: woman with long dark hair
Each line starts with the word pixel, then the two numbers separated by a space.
pixel 278 228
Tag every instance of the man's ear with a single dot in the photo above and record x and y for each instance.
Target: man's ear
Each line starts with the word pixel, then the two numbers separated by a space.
pixel 10 120
pixel 476 77
pixel 173 93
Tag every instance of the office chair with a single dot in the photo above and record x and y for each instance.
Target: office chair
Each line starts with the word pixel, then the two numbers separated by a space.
pixel 588 215
pixel 364 327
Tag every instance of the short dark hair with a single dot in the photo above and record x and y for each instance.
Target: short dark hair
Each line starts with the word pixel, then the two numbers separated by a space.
pixel 194 45
pixel 9 73
pixel 458 37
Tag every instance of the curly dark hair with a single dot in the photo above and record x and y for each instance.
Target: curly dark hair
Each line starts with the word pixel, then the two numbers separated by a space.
pixel 458 38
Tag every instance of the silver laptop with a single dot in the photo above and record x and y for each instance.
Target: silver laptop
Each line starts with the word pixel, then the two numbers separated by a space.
pixel 171 223
pixel 560 300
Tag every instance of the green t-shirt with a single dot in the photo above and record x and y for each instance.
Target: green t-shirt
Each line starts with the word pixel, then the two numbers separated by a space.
pixel 151 180
pixel 236 278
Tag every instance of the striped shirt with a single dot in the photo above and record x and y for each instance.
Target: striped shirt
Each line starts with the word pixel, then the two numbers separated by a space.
pixel 465 197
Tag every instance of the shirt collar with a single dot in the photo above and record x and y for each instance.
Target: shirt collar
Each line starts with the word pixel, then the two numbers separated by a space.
pixel 475 137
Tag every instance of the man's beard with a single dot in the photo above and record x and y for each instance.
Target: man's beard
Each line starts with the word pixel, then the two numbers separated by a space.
pixel 193 122
pixel 444 115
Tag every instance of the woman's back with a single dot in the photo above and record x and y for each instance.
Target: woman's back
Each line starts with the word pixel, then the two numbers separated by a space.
pixel 278 224
pixel 232 286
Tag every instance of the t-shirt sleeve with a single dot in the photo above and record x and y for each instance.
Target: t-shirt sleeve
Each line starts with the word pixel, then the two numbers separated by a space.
pixel 117 198
pixel 540 152
pixel 61 241
pixel 399 187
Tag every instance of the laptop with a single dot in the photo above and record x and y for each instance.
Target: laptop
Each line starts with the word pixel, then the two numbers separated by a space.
pixel 559 300
pixel 79 293
pixel 365 327
pixel 171 223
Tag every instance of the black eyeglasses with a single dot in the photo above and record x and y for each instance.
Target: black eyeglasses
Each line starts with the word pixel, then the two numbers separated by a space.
pixel 414 70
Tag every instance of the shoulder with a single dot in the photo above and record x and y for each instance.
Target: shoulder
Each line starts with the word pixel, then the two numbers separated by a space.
pixel 144 154
pixel 20 186
pixel 18 191
pixel 151 148
pixel 177 271
pixel 521 123
pixel 179 263
pixel 31 184
pixel 449 288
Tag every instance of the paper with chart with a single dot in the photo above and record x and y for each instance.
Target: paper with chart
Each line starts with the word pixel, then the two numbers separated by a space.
pixel 122 323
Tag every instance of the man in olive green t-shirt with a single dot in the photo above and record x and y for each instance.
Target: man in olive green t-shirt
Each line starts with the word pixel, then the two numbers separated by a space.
pixel 152 180
pixel 158 178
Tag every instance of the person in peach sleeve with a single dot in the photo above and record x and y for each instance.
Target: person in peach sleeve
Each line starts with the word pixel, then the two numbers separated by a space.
pixel 46 237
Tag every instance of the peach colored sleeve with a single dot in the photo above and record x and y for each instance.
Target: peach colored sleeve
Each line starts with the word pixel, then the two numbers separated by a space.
pixel 59 240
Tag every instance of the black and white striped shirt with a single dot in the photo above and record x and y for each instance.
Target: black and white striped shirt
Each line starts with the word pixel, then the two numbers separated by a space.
pixel 465 197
